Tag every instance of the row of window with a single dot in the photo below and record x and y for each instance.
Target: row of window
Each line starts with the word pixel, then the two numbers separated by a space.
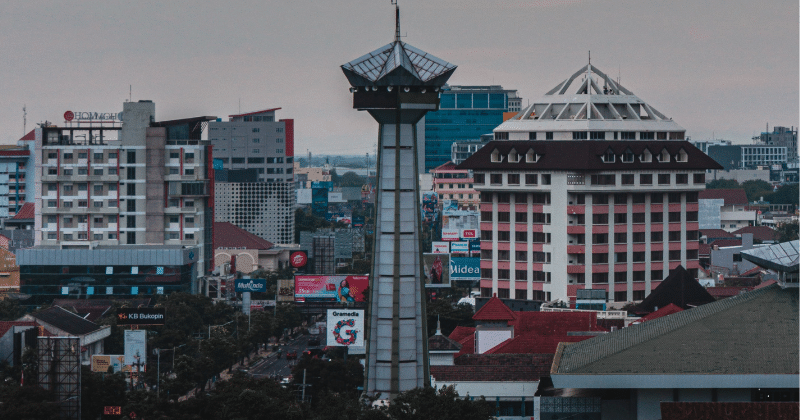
pixel 83 236
pixel 636 218
pixel 505 236
pixel 636 237
pixel 601 135
pixel 519 217
pixel 537 198
pixel 636 198
pixel 580 179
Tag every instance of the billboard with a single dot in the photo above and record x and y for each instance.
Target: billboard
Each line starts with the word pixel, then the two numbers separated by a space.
pixel 450 234
pixel 259 305
pixel 304 196
pixel 460 220
pixel 136 348
pixel 440 247
pixel 435 267
pixel 475 248
pixel 465 268
pixel 141 316
pixel 319 201
pixel 345 328
pixel 101 362
pixel 358 221
pixel 459 247
pixel 250 285
pixel 285 290
pixel 468 234
pixel 449 205
pixel 298 259
pixel 343 289
pixel 430 206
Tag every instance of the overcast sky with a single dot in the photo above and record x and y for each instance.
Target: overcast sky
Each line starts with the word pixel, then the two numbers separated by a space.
pixel 718 68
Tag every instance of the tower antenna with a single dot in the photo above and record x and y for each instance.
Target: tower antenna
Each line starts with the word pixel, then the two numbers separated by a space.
pixel 396 21
pixel 24 120
pixel 590 57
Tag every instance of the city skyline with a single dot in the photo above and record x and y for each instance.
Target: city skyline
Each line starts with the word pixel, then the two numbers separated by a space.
pixel 719 69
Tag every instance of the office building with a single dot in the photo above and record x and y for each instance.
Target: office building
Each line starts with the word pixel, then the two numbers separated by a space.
pixel 254 182
pixel 781 137
pixel 747 156
pixel 122 207
pixel 455 184
pixel 16 176
pixel 465 113
pixel 609 202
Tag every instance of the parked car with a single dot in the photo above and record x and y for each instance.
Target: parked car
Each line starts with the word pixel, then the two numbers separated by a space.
pixel 291 355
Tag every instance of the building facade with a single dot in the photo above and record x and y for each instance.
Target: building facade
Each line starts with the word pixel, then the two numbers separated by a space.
pixel 618 215
pixel 106 192
pixel 257 154
pixel 464 114
pixel 16 177
pixel 747 156
pixel 780 136
pixel 455 184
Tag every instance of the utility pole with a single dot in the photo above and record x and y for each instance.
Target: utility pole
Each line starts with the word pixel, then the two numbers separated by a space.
pixel 158 375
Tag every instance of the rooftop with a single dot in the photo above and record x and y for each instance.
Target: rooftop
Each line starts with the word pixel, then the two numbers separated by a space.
pixel 228 235
pixel 66 321
pixel 731 196
pixel 760 233
pixel 26 212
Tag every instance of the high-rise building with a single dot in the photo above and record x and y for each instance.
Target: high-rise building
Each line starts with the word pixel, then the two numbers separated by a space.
pixel 780 136
pixel 606 205
pixel 254 160
pixel 397 84
pixel 464 114
pixel 121 208
pixel 16 175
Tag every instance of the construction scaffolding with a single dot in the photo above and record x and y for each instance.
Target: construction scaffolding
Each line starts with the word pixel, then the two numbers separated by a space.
pixel 60 372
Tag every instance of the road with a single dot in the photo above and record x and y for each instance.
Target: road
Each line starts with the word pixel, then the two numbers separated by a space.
pixel 273 366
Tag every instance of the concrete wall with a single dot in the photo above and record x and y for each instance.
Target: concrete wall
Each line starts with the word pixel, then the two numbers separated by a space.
pixel 723 258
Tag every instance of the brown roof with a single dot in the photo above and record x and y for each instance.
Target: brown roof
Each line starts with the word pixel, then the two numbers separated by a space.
pixel 30 136
pixel 760 233
pixel 731 196
pixel 679 288
pixel 716 233
pixel 228 235
pixel 495 368
pixel 729 410
pixel 6 325
pixel 26 212
pixel 586 155
pixel 494 310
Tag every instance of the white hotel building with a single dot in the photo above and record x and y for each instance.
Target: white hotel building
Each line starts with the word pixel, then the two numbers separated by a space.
pixel 587 188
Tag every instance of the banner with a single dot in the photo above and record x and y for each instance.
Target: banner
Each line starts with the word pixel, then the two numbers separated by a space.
pixel 343 289
pixel 436 269
pixel 475 248
pixel 430 206
pixel 459 247
pixel 465 268
pixel 468 234
pixel 440 247
pixel 250 285
pixel 136 348
pixel 345 328
pixel 450 234
pixel 101 362
pixel 460 220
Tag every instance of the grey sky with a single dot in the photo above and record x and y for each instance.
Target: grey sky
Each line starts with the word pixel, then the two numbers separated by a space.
pixel 722 67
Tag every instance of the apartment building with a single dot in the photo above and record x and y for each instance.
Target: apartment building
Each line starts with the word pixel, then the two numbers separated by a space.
pixel 455 184
pixel 122 207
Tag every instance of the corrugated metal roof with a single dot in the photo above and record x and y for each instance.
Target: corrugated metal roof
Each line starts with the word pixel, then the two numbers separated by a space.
pixel 781 257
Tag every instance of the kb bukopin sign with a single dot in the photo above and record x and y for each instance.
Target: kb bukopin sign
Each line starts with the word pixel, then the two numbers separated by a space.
pixel 250 285
pixel 92 116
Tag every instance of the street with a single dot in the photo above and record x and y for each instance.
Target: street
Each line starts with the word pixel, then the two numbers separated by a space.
pixel 272 366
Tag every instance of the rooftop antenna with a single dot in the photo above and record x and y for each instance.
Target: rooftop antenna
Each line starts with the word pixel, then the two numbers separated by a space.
pixel 130 93
pixel 590 57
pixel 240 105
pixel 24 120
pixel 396 21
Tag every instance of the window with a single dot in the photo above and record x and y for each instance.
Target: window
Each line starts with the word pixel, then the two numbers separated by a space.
pixel 656 255
pixel 608 156
pixel 520 198
pixel 681 178
pixel 663 157
pixel 579 135
pixel 675 255
pixel 52 203
pixel 131 173
pixel 620 218
pixel 82 155
pixel 638 237
pixel 628 135
pixel 97 204
pixel 174 155
pixel 627 179
pixel 513 179
pixel 600 198
pixel 256 130
pixel 83 171
pixel 112 155
pixel 546 179
pixel 82 203
pixel 600 219
pixel 67 156
pixel 603 179
pixel 131 156
pixel 51 236
pixel 503 236
pixel 599 258
pixel 97 172
pixel 620 257
pixel 599 277
pixel 131 189
pixel 628 156
pixel 131 205
pixel 600 238
pixel 188 236
pixel 131 238
pixel 621 238
pixel 502 255
pixel 496 179
pixel 479 179
pixel 656 217
pixel 521 217
pixel 663 179
pixel 691 216
pixel 97 156
pixel 597 135
pixel 675 236
pixel 699 178
pixel 98 188
pixel 548 135
pixel 674 216
pixel 68 189
pixel 174 171
pixel 638 257
pixel 237 160
pixel 503 217
pixel 52 155
pixel 638 276
pixel 646 135
pixel 638 217
pixel 521 236
pixel 500 136
pixel 656 198
pixel 646 179
pixel 656 236
pixel 112 171
pixel 531 179
pixel 486 235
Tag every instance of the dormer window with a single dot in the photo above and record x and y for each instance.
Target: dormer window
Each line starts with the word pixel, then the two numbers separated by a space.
pixel 646 156
pixel 531 156
pixel 513 156
pixel 608 156
pixel 496 156
pixel 664 156
pixel 682 156
pixel 627 157
pixel 501 136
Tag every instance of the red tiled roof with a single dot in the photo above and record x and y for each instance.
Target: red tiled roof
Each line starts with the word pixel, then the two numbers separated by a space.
pixel 716 233
pixel 667 310
pixel 6 325
pixel 494 310
pixel 554 323
pixel 765 284
pixel 535 344
pixel 490 373
pixel 30 136
pixel 731 196
pixel 25 212
pixel 705 249
pixel 751 272
pixel 467 345
pixel 228 235
pixel 726 242
pixel 760 233
pixel 722 292
pixel 729 410
pixel 15 152
pixel 447 165
pixel 460 332
pixel 254 112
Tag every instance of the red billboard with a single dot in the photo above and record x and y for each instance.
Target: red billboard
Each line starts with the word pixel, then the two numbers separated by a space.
pixel 343 289
pixel 298 259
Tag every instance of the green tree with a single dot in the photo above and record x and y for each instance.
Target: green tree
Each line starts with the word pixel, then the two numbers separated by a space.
pixel 333 376
pixel 722 184
pixel 788 231
pixel 755 189
pixel 786 194
pixel 10 310
pixel 99 390
pixel 442 404
pixel 351 179
pixel 449 315
pixel 27 403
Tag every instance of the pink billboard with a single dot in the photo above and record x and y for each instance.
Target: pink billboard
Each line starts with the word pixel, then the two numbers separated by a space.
pixel 342 289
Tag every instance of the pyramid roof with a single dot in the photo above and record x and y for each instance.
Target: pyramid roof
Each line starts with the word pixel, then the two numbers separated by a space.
pixel 494 310
pixel 679 288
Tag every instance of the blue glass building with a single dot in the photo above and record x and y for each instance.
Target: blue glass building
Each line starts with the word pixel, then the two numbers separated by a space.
pixel 465 112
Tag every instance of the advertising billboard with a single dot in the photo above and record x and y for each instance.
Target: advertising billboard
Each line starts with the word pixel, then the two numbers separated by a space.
pixel 342 289
pixel 450 234
pixel 468 234
pixel 459 247
pixel 250 285
pixel 430 206
pixel 462 268
pixel 475 248
pixel 298 259
pixel 101 362
pixel 304 196
pixel 449 205
pixel 436 269
pixel 141 316
pixel 440 247
pixel 285 290
pixel 319 201
pixel 460 220
pixel 358 221
pixel 345 328
pixel 136 348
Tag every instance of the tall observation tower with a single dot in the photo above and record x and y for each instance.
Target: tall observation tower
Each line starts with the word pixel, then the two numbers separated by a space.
pixel 397 84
